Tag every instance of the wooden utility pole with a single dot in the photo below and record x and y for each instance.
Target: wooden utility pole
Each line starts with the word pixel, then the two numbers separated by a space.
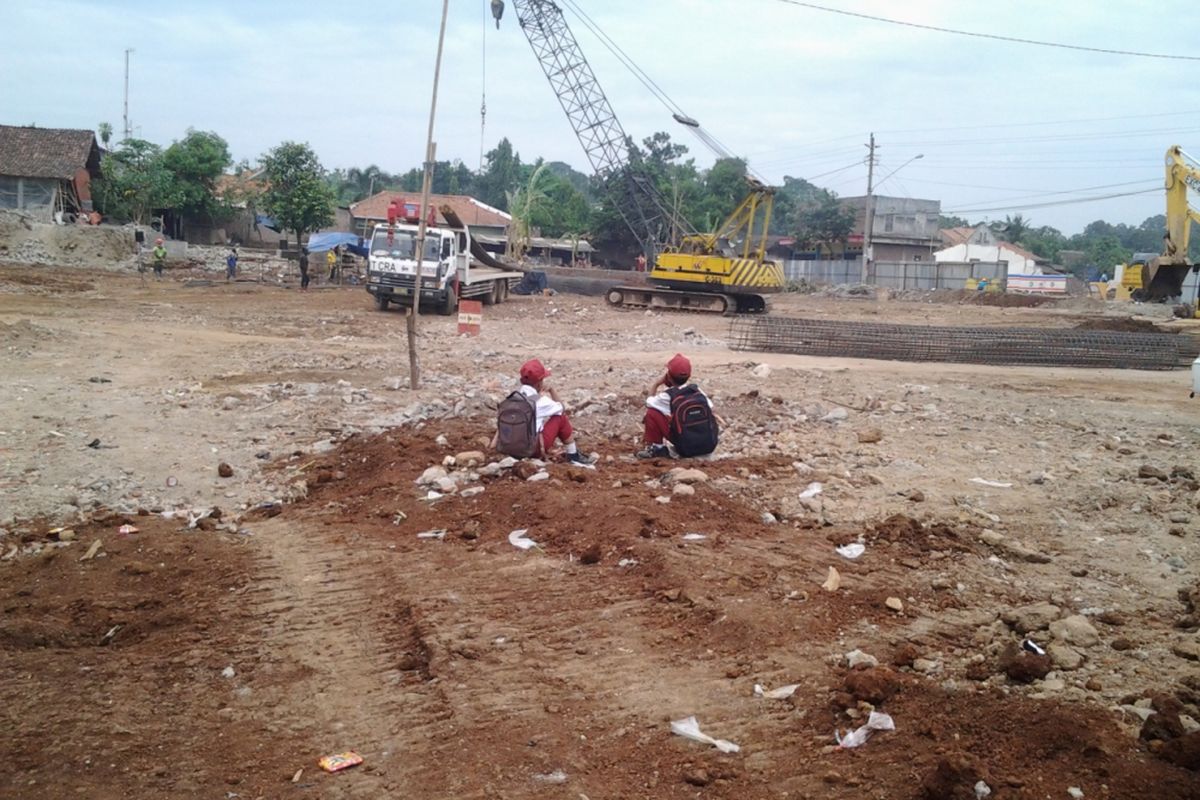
pixel 869 212
pixel 414 368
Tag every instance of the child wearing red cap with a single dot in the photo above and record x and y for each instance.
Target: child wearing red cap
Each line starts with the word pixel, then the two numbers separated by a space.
pixel 657 422
pixel 552 422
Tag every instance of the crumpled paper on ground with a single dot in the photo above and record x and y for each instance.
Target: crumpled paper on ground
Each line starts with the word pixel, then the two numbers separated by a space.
pixel 783 692
pixel 876 722
pixel 689 728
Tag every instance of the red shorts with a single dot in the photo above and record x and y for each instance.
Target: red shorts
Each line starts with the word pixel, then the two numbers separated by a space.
pixel 657 426
pixel 557 427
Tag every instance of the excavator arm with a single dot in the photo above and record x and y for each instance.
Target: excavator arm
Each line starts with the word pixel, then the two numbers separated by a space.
pixel 1183 173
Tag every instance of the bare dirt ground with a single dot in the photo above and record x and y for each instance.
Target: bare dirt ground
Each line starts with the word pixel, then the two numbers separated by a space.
pixel 221 653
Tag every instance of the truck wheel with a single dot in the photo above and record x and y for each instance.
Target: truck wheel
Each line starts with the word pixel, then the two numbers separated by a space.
pixel 381 302
pixel 503 286
pixel 493 296
pixel 448 306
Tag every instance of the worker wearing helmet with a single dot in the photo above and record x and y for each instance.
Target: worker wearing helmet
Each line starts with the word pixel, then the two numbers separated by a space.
pixel 159 255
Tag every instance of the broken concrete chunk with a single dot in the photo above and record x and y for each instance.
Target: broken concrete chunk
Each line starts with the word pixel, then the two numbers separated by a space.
pixel 686 475
pixel 431 476
pixel 1030 618
pixel 1075 630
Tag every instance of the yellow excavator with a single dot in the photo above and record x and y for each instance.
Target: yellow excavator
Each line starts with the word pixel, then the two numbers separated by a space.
pixel 725 271
pixel 1162 278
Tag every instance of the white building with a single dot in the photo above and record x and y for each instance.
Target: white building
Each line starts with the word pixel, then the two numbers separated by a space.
pixel 964 245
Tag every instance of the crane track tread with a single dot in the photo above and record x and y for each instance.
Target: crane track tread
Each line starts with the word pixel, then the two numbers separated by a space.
pixel 731 299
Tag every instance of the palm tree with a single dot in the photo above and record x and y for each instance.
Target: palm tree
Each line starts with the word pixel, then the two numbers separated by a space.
pixel 521 205
pixel 105 131
pixel 1015 227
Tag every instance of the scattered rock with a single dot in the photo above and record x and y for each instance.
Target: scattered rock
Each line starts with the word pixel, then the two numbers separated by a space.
pixel 1183 752
pixel 229 403
pixel 873 684
pixel 769 519
pixel 1150 471
pixel 1121 645
pixel 431 476
pixel 1030 618
pixel 836 415
pixel 953 778
pixel 870 436
pixel 698 776
pixel 683 490
pixel 857 658
pixel 761 371
pixel 1189 650
pixel 538 476
pixel 686 475
pixel 224 470
pixel 941 584
pixel 916 496
pixel 441 440
pixel 1023 666
pixel 895 604
pixel 525 470
pixel 446 485
pixel 926 666
pixel 833 582
pixel 1075 630
pixel 1064 657
pixel 591 555
pixel 905 655
pixel 470 458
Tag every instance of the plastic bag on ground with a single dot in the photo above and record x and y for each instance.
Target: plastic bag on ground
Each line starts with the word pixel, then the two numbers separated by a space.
pixel 518 539
pixel 782 693
pixel 689 728
pixel 856 738
pixel 852 550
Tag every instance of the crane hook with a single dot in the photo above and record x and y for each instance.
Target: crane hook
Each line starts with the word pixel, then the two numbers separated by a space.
pixel 497 11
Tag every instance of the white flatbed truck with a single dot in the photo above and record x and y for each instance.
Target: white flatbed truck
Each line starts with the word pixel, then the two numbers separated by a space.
pixel 453 268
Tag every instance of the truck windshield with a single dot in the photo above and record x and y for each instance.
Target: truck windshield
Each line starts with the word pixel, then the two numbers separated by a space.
pixel 404 245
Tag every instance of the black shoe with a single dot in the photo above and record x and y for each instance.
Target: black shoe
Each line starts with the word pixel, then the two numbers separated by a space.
pixel 578 459
pixel 654 451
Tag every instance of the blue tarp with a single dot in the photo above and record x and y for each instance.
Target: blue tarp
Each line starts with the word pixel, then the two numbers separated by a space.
pixel 320 242
pixel 266 222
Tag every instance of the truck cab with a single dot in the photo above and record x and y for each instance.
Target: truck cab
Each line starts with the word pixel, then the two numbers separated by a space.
pixel 392 265
pixel 452 266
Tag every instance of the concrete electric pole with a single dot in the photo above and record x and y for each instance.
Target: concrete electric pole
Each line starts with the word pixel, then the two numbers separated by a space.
pixel 869 212
pixel 128 129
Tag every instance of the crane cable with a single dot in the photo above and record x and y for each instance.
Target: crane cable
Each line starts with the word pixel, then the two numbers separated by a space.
pixel 706 137
pixel 483 88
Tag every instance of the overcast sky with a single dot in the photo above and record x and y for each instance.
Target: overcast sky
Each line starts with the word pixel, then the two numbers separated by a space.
pixel 1000 125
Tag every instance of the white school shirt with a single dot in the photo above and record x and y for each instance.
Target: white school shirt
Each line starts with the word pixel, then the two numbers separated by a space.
pixel 546 408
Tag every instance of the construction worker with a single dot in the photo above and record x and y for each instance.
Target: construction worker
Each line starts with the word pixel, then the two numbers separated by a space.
pixel 304 269
pixel 331 261
pixel 159 257
pixel 641 262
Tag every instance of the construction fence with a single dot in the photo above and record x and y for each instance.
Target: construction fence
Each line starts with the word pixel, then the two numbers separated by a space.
pixel 897 274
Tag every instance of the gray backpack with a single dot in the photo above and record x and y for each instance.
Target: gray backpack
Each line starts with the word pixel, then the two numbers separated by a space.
pixel 516 427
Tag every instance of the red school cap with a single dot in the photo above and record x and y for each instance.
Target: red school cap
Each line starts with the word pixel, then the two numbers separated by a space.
pixel 679 367
pixel 532 371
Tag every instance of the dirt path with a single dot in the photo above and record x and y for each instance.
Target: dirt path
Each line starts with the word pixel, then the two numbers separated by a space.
pixel 463 667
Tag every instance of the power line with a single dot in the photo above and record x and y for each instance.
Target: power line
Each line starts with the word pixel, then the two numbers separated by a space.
pixel 1026 206
pixel 993 36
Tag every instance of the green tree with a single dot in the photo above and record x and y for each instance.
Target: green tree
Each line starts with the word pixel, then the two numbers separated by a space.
pixel 945 222
pixel 195 162
pixel 105 131
pixel 501 176
pixel 822 221
pixel 134 181
pixel 724 188
pixel 522 205
pixel 1106 252
pixel 297 196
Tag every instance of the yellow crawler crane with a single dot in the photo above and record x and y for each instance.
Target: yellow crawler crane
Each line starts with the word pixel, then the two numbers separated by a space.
pixel 725 271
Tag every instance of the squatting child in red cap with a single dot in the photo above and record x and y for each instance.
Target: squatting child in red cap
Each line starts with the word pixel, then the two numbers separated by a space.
pixel 546 424
pixel 679 413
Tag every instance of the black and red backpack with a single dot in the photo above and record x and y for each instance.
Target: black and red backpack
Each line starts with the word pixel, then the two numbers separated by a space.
pixel 693 428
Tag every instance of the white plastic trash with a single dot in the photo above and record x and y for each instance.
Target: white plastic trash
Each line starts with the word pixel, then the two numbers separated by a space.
pixel 518 539
pixel 858 737
pixel 689 728
pixel 852 550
